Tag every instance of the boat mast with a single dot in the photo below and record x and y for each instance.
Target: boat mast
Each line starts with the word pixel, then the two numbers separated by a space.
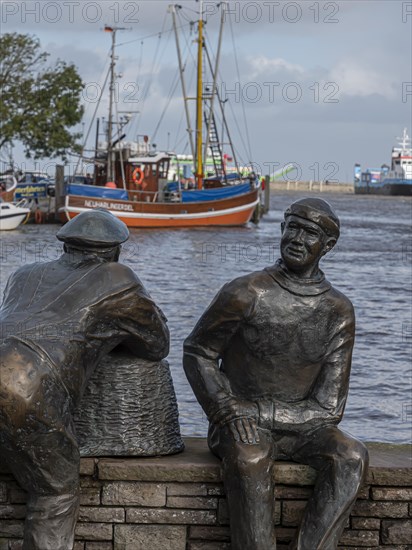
pixel 216 69
pixel 224 119
pixel 199 103
pixel 110 152
pixel 172 9
pixel 96 147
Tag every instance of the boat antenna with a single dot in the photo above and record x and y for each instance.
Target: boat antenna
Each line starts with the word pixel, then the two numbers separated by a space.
pixel 404 141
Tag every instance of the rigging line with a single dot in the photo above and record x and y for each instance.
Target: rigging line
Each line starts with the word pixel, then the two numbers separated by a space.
pixel 146 91
pixel 155 66
pixel 186 147
pixel 100 80
pixel 171 92
pixel 139 65
pixel 190 82
pixel 165 47
pixel 239 156
pixel 188 78
pixel 235 118
pixel 224 120
pixel 189 53
pixel 238 129
pixel 177 133
pixel 147 36
pixel 158 67
pixel 249 151
pixel 160 36
pixel 240 133
pixel 209 16
pixel 186 8
pixel 189 49
pixel 102 88
pixel 92 120
pixel 169 99
pixel 139 69
pixel 119 134
pixel 136 120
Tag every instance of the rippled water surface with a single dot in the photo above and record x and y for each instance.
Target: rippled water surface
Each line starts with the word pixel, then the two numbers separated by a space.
pixel 372 264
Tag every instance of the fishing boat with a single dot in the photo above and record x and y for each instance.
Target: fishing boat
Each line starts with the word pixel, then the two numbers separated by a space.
pixel 133 182
pixel 12 215
pixel 393 180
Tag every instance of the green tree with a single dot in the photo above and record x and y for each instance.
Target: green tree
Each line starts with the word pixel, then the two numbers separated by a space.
pixel 39 103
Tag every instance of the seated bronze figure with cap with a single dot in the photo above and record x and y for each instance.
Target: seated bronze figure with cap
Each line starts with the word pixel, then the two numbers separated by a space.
pixel 58 319
pixel 269 362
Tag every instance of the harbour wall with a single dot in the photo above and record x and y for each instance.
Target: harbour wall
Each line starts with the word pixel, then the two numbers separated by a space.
pixel 178 503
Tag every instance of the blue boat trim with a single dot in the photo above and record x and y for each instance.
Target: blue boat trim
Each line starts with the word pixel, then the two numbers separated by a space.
pixel 192 195
pixel 98 192
pixel 196 195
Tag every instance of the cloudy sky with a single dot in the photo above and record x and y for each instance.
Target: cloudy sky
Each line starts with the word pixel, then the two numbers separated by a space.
pixel 323 84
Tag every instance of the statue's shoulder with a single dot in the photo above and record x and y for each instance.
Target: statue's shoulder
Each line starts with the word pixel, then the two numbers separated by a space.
pixel 118 274
pixel 340 302
pixel 118 269
pixel 251 282
pixel 244 290
pixel 28 269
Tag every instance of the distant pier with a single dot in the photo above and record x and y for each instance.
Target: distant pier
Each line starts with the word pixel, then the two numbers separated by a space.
pixel 315 186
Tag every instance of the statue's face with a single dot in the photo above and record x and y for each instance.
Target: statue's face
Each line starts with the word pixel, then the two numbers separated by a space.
pixel 303 243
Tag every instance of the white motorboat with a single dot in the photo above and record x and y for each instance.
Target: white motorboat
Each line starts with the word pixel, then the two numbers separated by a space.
pixel 12 215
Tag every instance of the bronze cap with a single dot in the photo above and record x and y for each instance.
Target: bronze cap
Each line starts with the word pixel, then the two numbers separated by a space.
pixel 96 228
pixel 318 211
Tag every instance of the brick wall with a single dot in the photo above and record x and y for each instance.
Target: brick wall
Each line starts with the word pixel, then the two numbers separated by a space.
pixel 178 503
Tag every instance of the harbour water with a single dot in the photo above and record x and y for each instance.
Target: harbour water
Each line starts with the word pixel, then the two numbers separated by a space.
pixel 372 264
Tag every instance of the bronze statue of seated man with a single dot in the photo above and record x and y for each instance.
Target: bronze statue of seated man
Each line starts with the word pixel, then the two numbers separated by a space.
pixel 269 362
pixel 58 320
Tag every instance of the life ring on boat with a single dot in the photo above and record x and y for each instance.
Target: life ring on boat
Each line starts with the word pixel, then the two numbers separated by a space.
pixel 138 176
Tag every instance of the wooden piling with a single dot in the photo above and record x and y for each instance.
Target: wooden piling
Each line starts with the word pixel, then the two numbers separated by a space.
pixel 59 190
pixel 267 195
